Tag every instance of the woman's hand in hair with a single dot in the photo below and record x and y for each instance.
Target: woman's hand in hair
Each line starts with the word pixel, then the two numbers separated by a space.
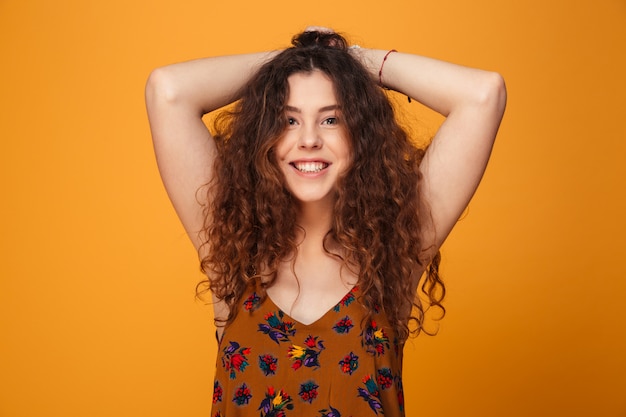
pixel 319 29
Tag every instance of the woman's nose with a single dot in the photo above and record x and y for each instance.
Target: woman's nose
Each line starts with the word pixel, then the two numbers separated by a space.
pixel 309 138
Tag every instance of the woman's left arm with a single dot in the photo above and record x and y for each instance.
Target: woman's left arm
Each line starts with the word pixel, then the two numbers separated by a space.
pixel 473 103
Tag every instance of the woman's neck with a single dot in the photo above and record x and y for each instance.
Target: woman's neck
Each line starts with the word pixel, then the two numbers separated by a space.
pixel 316 220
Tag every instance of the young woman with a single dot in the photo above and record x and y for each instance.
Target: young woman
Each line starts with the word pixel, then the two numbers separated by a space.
pixel 315 217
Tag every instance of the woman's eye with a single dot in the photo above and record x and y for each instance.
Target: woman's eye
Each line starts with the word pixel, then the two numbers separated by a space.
pixel 330 121
pixel 291 121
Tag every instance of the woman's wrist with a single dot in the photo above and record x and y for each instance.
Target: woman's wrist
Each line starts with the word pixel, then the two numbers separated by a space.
pixel 368 58
pixel 375 61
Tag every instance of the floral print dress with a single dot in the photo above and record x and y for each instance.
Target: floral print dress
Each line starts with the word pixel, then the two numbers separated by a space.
pixel 269 365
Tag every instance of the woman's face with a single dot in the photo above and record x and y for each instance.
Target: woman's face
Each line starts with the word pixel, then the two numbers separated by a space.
pixel 314 149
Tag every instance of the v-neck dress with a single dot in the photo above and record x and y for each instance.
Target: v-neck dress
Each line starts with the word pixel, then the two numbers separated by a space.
pixel 269 364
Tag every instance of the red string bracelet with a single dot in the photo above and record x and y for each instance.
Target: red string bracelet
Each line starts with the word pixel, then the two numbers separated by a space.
pixel 380 73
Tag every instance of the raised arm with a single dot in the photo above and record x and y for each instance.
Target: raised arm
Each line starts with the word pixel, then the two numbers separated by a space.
pixel 177 96
pixel 473 103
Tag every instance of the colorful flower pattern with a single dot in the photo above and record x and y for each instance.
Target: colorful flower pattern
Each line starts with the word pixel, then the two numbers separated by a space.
pixel 277 328
pixel 371 394
pixel 234 359
pixel 349 363
pixel 368 368
pixel 344 325
pixel 331 412
pixel 374 339
pixel 308 391
pixel 268 364
pixel 384 378
pixel 252 302
pixel 217 392
pixel 347 299
pixel 275 403
pixel 242 395
pixel 400 392
pixel 307 355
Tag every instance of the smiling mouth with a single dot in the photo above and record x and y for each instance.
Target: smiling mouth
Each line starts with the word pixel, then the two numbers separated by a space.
pixel 309 167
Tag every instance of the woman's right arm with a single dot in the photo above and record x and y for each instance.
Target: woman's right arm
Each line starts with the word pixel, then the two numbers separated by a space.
pixel 177 96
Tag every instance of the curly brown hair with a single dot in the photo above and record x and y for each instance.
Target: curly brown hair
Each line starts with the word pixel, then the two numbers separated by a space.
pixel 378 214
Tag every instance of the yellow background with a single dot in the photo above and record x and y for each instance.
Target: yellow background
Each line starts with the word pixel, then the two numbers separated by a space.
pixel 97 310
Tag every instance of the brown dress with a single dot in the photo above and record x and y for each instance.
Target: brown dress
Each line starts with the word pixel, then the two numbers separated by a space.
pixel 268 364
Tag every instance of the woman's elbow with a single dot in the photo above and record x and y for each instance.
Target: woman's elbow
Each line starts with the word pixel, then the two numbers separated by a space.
pixel 160 87
pixel 494 92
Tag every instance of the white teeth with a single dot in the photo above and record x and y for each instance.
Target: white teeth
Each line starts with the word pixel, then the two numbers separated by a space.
pixel 308 167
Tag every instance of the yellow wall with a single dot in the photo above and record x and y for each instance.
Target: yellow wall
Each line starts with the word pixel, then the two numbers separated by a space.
pixel 97 315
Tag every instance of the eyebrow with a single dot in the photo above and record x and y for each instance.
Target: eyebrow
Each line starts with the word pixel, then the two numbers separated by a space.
pixel 321 110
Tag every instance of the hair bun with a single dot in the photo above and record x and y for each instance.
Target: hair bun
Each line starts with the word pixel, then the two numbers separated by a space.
pixel 316 39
